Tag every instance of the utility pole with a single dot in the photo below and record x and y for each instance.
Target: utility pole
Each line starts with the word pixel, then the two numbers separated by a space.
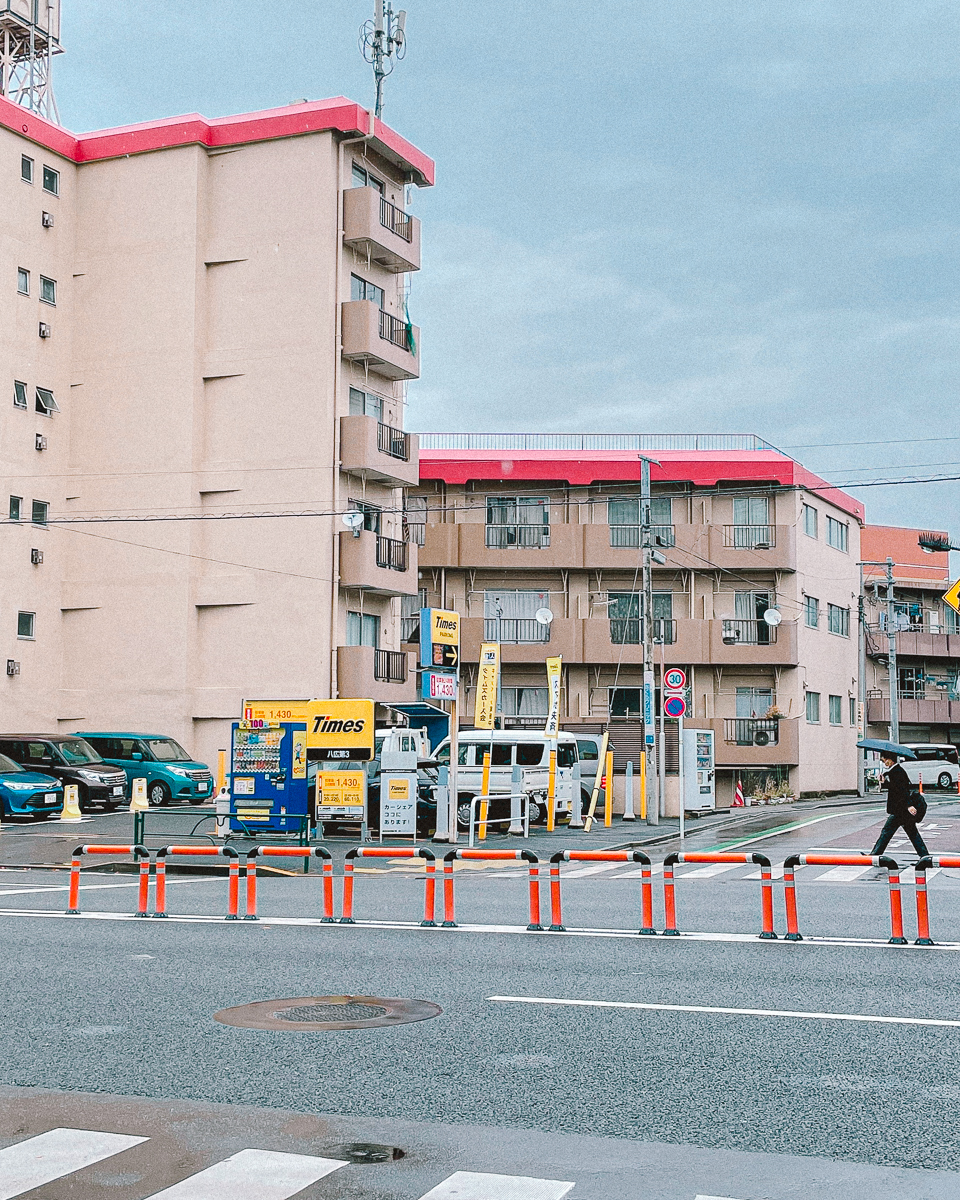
pixel 381 41
pixel 654 798
pixel 861 686
pixel 894 733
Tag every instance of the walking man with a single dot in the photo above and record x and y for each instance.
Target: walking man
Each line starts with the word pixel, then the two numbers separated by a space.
pixel 904 810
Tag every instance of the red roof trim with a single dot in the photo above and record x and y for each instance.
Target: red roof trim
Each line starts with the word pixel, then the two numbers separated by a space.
pixel 586 467
pixel 338 114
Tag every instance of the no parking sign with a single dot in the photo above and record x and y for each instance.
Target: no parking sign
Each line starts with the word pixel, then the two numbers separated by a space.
pixel 674 706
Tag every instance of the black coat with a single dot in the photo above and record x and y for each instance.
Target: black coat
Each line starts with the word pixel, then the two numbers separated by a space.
pixel 899 793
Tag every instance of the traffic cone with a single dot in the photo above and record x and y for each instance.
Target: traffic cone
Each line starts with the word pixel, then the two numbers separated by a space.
pixel 738 795
pixel 138 796
pixel 921 787
pixel 71 804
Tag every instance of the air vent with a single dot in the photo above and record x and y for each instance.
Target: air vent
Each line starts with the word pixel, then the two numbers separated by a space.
pixel 36 557
pixel 13 667
pixel 44 329
pixel 41 442
pixel 47 220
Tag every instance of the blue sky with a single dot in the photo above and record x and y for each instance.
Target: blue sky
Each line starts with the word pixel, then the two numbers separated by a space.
pixel 694 217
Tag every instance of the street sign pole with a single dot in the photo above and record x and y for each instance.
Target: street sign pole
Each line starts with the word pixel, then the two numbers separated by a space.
pixel 680 775
pixel 892 672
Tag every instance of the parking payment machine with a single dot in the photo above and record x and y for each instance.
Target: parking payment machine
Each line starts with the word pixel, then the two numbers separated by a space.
pixel 268 770
pixel 698 770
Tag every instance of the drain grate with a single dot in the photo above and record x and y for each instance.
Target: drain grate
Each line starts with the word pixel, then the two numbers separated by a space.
pixel 304 1013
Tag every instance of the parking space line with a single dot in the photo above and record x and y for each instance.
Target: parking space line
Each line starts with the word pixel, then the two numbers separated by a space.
pixel 49 1156
pixel 470 1185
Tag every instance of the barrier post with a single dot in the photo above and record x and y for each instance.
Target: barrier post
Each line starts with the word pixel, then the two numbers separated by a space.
pixel 608 793
pixel 628 813
pixel 552 790
pixel 643 785
pixel 793 933
pixel 139 853
pixel 233 880
pixel 646 883
pixel 923 912
pixel 669 898
pixel 249 870
pixel 844 860
pixel 767 931
pixel 592 808
pixel 533 874
pixel 356 852
pixel 484 792
pixel 449 912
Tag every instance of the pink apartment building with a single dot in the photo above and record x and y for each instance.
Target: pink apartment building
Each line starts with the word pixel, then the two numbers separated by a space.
pixel 200 319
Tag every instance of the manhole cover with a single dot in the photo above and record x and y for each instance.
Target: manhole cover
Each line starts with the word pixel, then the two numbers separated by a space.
pixel 367 1152
pixel 327 1012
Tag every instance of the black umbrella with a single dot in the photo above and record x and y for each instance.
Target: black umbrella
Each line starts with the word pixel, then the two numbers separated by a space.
pixel 883 747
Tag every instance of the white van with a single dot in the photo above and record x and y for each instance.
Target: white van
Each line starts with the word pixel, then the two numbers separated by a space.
pixel 530 751
pixel 936 765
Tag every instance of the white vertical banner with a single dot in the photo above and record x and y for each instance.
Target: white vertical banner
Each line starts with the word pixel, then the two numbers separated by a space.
pixel 552 727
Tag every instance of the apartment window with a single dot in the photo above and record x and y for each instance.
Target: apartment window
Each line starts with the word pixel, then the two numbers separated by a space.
pixel 365 404
pixel 19 394
pixel 510 616
pixel 753 703
pixel 951 620
pixel 751 529
pixel 810 520
pixel 626 702
pixel 813 708
pixel 48 290
pixel 371 518
pixel 16 503
pixel 525 702
pixel 40 510
pixel 410 607
pixel 26 623
pixel 751 510
pixel 811 611
pixel 51 181
pixel 623 517
pixel 415 519
pixel 838 620
pixel 518 521
pixel 837 534
pixel 912 683
pixel 26 169
pixel 23 281
pixel 363 629
pixel 663 617
pixel 748 626
pixel 361 289
pixel 45 402
pixel 853 710
pixel 835 706
pixel 363 178
pixel 623 608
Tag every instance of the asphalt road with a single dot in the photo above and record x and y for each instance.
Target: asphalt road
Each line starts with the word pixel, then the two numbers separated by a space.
pixel 623 1102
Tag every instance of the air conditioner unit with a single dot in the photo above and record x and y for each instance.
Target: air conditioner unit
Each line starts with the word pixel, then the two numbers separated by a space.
pixel 13 667
pixel 44 329
pixel 47 220
pixel 760 546
pixel 41 442
pixel 761 738
pixel 36 557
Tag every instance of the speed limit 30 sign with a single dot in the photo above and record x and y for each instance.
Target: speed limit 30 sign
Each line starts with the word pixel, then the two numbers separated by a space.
pixel 674 680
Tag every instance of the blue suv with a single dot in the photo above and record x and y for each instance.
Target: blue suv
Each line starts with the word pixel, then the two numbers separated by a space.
pixel 26 793
pixel 172 776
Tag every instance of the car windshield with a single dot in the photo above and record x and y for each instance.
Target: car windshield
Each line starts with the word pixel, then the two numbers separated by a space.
pixel 77 751
pixel 167 750
pixel 8 766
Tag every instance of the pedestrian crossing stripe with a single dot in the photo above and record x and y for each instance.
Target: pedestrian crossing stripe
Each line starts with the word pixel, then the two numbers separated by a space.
pixel 247 1175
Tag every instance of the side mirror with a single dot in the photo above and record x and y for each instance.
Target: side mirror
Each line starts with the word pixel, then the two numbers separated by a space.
pixel 137 756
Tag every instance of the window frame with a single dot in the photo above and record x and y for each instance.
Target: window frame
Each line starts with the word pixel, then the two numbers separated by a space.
pixel 55 176
pixel 46 407
pixel 510 507
pixel 854 711
pixel 844 621
pixel 32 635
pixel 844 534
pixel 368 180
pixel 811 701
pixel 16 508
pixel 811 608
pixel 49 284
pixel 808 511
pixel 364 406
pixel 36 505
pixel 835 709
pixel 366 285
pixel 23 277
pixel 29 177
pixel 20 394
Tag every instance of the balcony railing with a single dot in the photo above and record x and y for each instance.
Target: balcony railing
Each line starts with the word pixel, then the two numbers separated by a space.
pixel 417 532
pixel 751 731
pixel 392 441
pixel 391 554
pixel 395 331
pixel 628 631
pixel 629 535
pixel 750 537
pixel 736 631
pixel 395 219
pixel 389 666
pixel 515 630
pixel 530 537
pixel 410 629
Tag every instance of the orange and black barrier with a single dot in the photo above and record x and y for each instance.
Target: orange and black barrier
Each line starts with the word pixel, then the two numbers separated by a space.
pixel 429 902
pixel 943 861
pixel 140 853
pixel 527 856
pixel 249 873
pixel 767 932
pixel 881 861
pixel 612 856
pixel 233 881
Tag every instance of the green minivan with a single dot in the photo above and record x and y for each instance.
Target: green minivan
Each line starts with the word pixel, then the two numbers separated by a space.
pixel 172 776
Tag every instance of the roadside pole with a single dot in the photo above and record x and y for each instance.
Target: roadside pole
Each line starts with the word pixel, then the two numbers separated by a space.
pixel 452 792
pixel 654 800
pixel 680 776
pixel 894 676
pixel 861 688
pixel 628 813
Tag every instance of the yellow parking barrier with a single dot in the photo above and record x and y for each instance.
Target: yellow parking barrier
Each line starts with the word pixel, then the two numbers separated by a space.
pixel 552 790
pixel 71 803
pixel 138 796
pixel 485 792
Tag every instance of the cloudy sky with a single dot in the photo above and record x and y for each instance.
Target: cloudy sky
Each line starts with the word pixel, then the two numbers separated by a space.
pixel 688 217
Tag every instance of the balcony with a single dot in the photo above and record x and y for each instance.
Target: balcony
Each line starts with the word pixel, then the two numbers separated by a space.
pixel 915 642
pixel 629 536
pixel 515 630
pixel 375 227
pixel 372 450
pixel 733 640
pixel 387 676
pixel 602 642
pixel 913 712
pixel 782 748
pixel 537 548
pixel 750 537
pixel 380 340
pixel 751 731
pixel 562 637
pixel 385 566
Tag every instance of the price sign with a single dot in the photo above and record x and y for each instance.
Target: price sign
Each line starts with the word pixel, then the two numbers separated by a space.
pixel 674 680
pixel 438 685
pixel 674 706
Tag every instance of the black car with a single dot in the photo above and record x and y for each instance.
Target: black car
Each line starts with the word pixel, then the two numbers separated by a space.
pixel 71 760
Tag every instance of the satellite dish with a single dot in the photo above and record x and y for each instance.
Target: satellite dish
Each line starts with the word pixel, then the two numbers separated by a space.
pixel 352 520
pixel 543 616
pixel 772 617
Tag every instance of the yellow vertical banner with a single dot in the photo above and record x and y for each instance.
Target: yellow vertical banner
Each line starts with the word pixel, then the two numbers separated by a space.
pixel 552 727
pixel 488 673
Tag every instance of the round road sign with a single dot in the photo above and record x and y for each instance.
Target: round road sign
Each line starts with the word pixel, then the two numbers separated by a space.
pixel 674 706
pixel 674 679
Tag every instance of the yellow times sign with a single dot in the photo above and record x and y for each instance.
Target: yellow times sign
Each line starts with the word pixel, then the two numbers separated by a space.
pixel 336 729
pixel 444 627
pixel 398 789
pixel 485 711
pixel 341 789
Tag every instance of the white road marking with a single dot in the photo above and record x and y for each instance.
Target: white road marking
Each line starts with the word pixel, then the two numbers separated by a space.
pixel 593 869
pixel 469 1185
pixel 842 874
pixel 49 1156
pixel 93 887
pixel 709 872
pixel 655 869
pixel 736 1012
pixel 253 1175
pixel 775 872
pixel 715 1198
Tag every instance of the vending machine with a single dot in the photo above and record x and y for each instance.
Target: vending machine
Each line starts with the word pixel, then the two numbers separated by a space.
pixel 268 774
pixel 698 770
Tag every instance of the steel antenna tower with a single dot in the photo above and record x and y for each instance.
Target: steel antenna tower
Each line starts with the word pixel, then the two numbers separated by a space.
pixel 29 38
pixel 383 43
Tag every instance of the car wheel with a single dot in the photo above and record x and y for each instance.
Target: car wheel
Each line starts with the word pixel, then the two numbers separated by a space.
pixel 464 807
pixel 537 811
pixel 944 780
pixel 157 794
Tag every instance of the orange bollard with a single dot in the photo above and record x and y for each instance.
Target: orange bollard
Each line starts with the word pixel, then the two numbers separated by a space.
pixel 346 910
pixel 896 908
pixel 923 912
pixel 669 901
pixel 790 901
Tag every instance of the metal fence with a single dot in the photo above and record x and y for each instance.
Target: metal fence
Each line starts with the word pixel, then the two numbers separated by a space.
pixel 594 441
pixel 514 630
pixel 395 330
pixel 750 537
pixel 392 441
pixel 629 535
pixel 747 632
pixel 530 537
pixel 391 553
pixel 751 731
pixel 396 220
pixel 389 666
